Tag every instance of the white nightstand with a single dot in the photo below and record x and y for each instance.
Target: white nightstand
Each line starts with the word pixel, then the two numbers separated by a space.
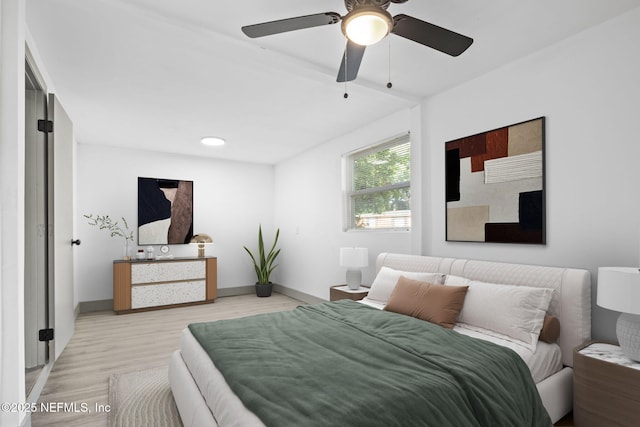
pixel 606 386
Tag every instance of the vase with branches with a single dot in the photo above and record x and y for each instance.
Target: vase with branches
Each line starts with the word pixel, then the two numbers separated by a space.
pixel 114 228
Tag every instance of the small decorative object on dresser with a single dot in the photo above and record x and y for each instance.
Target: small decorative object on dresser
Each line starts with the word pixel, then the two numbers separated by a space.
pixel 345 292
pixel 201 239
pixel 354 259
pixel 619 290
pixel 606 386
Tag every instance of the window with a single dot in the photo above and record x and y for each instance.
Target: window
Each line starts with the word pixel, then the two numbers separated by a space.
pixel 378 190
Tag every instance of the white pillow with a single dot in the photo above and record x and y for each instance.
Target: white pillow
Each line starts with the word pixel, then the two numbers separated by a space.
pixel 387 278
pixel 456 280
pixel 515 311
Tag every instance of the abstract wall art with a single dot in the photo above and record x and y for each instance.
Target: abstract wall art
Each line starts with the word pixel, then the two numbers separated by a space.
pixel 495 185
pixel 165 211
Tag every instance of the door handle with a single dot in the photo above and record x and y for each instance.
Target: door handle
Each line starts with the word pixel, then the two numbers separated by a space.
pixel 75 242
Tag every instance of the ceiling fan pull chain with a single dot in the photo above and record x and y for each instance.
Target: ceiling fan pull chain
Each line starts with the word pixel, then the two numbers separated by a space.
pixel 389 85
pixel 346 73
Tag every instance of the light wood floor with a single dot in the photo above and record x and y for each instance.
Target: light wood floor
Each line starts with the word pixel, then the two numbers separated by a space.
pixel 105 343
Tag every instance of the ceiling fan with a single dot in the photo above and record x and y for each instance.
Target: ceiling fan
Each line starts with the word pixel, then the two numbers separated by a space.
pixel 366 23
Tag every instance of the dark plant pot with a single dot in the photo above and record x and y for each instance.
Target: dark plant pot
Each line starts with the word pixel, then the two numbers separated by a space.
pixel 264 290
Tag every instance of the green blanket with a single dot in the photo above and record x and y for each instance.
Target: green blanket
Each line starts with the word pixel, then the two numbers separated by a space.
pixel 346 364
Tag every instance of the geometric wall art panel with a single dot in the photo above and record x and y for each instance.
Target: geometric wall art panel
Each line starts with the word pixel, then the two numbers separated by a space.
pixel 495 185
pixel 467 224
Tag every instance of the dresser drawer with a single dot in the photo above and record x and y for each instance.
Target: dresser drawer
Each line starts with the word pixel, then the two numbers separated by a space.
pixel 167 271
pixel 143 296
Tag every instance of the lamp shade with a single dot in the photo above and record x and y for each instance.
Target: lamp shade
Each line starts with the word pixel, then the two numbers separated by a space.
pixel 201 238
pixel 354 257
pixel 619 289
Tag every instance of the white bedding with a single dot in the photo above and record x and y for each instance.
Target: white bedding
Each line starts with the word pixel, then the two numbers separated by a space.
pixel 545 361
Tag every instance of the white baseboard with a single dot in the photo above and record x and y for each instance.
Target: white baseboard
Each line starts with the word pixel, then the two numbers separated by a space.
pixel 309 299
pixel 107 304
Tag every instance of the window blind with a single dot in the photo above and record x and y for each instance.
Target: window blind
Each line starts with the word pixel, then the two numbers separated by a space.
pixel 379 190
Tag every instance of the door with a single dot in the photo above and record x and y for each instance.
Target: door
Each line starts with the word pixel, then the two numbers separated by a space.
pixel 35 260
pixel 60 144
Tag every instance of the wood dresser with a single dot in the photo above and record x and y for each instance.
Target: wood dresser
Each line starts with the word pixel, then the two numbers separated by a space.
pixel 140 285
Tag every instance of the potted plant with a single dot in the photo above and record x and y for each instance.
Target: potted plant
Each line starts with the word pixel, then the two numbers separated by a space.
pixel 264 264
pixel 104 222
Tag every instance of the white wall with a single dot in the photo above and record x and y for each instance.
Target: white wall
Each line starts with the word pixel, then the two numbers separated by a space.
pixel 587 87
pixel 309 210
pixel 230 200
pixel 12 108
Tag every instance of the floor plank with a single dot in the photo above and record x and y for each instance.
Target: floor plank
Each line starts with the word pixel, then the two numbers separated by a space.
pixel 106 343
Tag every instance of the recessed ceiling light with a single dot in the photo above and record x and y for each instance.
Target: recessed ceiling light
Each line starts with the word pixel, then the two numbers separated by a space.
pixel 213 141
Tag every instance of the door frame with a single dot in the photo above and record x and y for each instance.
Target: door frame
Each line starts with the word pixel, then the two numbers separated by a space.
pixel 36 290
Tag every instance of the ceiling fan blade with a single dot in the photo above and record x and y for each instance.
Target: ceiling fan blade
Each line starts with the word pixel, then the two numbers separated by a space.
pixel 291 24
pixel 431 35
pixel 353 54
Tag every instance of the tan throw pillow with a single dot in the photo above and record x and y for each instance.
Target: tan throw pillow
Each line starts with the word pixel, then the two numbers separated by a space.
pixel 427 301
pixel 550 331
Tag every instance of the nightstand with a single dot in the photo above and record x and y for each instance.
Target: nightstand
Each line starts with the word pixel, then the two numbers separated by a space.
pixel 606 386
pixel 343 292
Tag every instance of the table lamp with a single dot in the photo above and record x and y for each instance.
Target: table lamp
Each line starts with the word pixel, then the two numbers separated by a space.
pixel 201 239
pixel 354 259
pixel 619 290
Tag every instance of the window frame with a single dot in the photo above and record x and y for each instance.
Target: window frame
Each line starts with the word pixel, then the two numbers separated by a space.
pixel 348 160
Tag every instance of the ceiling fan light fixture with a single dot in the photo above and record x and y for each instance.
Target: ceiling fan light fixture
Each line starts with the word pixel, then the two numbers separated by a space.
pixel 367 25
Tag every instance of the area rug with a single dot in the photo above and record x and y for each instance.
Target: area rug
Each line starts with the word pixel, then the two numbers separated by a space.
pixel 142 398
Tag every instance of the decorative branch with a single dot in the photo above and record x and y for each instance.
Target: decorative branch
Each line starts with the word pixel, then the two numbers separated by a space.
pixel 104 222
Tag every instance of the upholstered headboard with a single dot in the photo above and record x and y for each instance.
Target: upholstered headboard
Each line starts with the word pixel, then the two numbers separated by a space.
pixel 571 302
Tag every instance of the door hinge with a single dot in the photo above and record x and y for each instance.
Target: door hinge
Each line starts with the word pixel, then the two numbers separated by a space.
pixel 45 126
pixel 45 334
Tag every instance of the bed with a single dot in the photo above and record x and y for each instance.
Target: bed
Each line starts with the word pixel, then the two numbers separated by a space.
pixel 205 397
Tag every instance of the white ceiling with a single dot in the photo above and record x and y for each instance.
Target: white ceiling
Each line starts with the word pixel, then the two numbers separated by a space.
pixel 160 74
